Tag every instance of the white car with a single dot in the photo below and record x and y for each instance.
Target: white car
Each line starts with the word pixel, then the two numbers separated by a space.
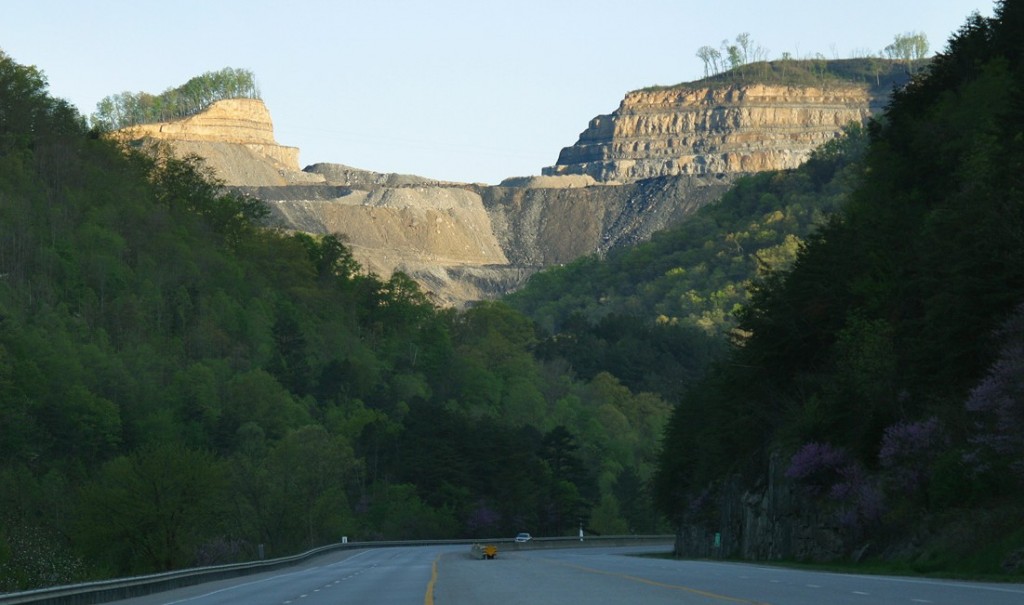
pixel 523 537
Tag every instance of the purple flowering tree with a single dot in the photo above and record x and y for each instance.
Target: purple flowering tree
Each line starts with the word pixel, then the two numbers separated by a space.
pixel 997 405
pixel 483 521
pixel 858 497
pixel 830 473
pixel 908 451
pixel 817 466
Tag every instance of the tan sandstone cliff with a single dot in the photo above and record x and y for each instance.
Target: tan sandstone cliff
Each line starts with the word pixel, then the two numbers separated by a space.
pixel 235 137
pixel 661 156
pixel 714 130
pixel 428 229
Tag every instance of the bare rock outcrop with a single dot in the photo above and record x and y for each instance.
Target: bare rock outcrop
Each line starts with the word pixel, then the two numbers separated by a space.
pixel 701 130
pixel 772 521
pixel 407 226
pixel 464 243
pixel 661 156
pixel 544 226
pixel 240 121
pixel 235 137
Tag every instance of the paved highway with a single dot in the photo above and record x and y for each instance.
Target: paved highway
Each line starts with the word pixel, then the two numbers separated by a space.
pixel 448 575
pixel 543 577
pixel 388 576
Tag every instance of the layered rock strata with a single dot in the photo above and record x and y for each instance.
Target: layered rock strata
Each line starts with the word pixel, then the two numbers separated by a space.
pixel 661 156
pixel 718 130
pixel 235 137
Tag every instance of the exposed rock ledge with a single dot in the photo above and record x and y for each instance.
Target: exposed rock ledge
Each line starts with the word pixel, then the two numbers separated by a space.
pixel 714 130
pixel 235 137
pixel 659 158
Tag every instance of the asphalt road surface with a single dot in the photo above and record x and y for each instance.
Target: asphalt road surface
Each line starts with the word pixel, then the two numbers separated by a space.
pixel 445 575
pixel 388 576
pixel 610 576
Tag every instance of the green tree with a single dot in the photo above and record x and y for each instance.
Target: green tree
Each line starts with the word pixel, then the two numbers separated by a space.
pixel 908 48
pixel 330 256
pixel 878 323
pixel 255 396
pixel 308 473
pixel 733 54
pixel 572 487
pixel 150 510
pixel 197 349
pixel 710 56
pixel 396 512
pixel 130 109
pixel 29 114
pixel 606 519
pixel 34 551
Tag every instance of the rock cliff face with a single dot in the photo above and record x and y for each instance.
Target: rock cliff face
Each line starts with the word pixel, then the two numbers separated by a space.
pixel 235 137
pixel 470 242
pixel 723 130
pixel 770 522
pixel 543 226
pixel 661 156
pixel 394 227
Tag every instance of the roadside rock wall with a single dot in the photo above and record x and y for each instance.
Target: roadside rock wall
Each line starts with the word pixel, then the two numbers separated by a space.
pixel 769 522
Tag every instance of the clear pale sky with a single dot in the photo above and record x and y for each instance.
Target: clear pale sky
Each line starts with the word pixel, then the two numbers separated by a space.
pixel 461 90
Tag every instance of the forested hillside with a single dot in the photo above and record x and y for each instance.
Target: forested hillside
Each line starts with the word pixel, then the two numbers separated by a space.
pixel 180 385
pixel 872 303
pixel 884 366
pixel 658 313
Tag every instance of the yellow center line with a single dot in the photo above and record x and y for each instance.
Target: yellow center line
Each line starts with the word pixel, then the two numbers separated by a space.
pixel 428 599
pixel 678 587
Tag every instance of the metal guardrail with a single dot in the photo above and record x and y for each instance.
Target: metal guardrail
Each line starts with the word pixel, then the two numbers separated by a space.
pixel 104 591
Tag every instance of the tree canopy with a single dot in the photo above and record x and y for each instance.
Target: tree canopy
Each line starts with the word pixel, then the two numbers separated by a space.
pixel 859 316
pixel 130 109
pixel 744 61
pixel 206 384
pixel 878 363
